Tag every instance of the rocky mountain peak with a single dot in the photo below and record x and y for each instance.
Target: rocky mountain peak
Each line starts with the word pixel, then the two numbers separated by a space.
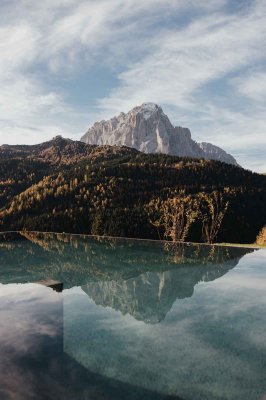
pixel 147 110
pixel 148 129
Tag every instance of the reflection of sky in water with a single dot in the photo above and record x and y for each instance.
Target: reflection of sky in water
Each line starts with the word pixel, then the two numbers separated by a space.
pixel 30 340
pixel 135 321
pixel 211 345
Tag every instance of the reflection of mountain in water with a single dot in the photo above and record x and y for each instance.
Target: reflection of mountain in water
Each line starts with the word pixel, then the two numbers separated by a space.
pixel 150 295
pixel 141 278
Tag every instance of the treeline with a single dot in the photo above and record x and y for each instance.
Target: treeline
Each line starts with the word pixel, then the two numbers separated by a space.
pixel 112 195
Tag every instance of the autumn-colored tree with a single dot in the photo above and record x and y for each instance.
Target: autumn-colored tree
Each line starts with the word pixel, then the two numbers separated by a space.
pixel 213 208
pixel 98 224
pixel 261 238
pixel 66 193
pixel 175 215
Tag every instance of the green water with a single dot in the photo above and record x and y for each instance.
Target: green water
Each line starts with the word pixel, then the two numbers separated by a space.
pixel 136 320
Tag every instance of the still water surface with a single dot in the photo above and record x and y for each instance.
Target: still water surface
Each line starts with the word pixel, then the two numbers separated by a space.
pixel 135 320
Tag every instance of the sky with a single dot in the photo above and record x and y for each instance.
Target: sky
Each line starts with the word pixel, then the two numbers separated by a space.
pixel 65 64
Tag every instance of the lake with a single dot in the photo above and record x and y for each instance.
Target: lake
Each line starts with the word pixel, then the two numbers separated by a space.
pixel 130 319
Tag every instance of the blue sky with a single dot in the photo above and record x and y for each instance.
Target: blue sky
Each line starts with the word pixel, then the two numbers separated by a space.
pixel 65 64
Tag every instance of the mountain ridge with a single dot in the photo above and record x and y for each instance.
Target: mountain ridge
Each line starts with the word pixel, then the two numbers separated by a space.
pixel 148 129
pixel 60 150
pixel 68 186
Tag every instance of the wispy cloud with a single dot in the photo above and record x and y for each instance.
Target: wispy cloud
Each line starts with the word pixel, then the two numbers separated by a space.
pixel 252 85
pixel 204 62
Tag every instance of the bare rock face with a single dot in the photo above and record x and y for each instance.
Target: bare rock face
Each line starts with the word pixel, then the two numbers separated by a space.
pixel 148 129
pixel 216 153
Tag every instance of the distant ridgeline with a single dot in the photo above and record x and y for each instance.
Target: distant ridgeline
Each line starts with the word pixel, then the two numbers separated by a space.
pixel 148 129
pixel 68 186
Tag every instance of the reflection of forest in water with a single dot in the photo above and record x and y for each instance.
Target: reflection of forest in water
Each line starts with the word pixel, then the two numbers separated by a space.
pixel 142 278
pixel 150 295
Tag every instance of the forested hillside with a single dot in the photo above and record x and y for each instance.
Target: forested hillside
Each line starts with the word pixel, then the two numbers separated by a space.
pixel 68 186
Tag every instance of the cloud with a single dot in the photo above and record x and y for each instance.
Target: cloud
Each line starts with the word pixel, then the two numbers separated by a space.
pixel 252 85
pixel 41 42
pixel 169 52
pixel 241 132
pixel 183 60
pixel 30 328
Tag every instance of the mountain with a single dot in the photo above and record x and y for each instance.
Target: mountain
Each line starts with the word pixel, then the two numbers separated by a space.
pixel 216 153
pixel 22 166
pixel 148 129
pixel 68 186
pixel 61 150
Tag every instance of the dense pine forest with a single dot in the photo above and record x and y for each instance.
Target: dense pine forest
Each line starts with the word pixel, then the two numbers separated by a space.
pixel 67 186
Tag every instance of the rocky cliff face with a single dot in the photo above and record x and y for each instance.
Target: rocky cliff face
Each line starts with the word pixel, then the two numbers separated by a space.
pixel 216 153
pixel 148 129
